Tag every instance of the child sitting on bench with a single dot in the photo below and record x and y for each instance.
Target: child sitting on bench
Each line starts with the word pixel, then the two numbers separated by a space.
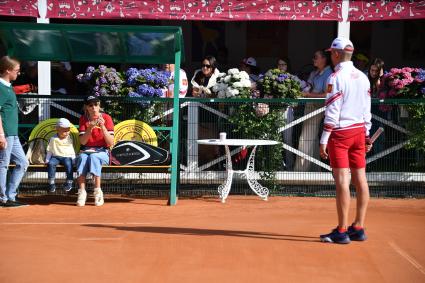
pixel 60 150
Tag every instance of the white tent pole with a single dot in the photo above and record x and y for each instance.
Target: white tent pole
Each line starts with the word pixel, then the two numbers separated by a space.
pixel 344 26
pixel 44 81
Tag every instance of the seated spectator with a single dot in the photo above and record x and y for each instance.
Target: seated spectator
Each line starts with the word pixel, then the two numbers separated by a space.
pixel 282 65
pixel 249 65
pixel 60 150
pixel 183 81
pixel 96 137
pixel 205 78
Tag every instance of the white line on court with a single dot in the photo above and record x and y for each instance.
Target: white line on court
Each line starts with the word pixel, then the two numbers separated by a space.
pixel 410 259
pixel 99 239
pixel 75 223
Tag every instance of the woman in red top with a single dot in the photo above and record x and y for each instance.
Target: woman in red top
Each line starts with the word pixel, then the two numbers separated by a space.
pixel 96 136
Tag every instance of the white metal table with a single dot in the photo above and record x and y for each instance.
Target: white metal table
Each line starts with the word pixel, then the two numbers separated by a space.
pixel 249 172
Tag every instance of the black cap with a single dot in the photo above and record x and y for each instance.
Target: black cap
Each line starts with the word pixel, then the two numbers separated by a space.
pixel 91 98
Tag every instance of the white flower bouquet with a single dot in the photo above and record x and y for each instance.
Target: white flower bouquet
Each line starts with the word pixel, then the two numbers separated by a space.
pixel 234 84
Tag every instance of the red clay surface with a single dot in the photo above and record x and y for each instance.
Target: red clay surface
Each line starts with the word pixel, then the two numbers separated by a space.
pixel 203 240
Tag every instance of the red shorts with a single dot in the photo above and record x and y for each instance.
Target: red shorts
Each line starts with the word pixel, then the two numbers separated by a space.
pixel 347 148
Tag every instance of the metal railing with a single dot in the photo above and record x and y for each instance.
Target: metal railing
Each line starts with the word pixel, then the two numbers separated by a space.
pixel 392 169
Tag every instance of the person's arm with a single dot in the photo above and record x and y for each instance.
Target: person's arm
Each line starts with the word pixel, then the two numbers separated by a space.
pixel 196 90
pixel 314 95
pixel 333 109
pixel 107 126
pixel 48 156
pixel 3 141
pixel 367 116
pixel 49 150
pixel 85 131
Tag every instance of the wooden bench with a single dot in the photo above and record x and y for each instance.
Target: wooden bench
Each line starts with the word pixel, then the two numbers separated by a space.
pixel 111 174
pixel 106 168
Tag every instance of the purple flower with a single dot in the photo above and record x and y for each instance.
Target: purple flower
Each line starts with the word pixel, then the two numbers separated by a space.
pixel 103 80
pixel 102 68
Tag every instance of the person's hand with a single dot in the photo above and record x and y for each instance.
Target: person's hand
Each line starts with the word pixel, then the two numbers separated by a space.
pixel 368 147
pixel 100 122
pixel 196 91
pixel 323 151
pixel 368 144
pixel 3 142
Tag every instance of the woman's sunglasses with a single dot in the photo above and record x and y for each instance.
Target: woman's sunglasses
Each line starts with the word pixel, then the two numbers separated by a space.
pixel 206 66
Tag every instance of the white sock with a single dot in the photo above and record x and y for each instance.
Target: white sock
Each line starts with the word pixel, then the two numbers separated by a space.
pixel 97 189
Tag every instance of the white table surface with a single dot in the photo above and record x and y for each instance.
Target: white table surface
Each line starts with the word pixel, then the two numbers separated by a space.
pixel 237 142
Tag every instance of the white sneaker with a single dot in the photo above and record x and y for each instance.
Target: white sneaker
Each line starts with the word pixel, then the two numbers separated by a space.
pixel 82 196
pixel 98 197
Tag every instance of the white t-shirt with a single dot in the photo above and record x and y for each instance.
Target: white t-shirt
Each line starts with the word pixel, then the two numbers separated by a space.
pixel 183 84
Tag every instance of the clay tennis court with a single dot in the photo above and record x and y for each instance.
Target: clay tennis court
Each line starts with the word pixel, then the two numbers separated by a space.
pixel 203 240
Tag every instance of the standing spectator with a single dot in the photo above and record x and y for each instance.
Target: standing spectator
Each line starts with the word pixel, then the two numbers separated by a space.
pixel 374 74
pixel 283 65
pixel 10 146
pixel 96 137
pixel 345 140
pixel 60 150
pixel 309 140
pixel 361 61
pixel 205 78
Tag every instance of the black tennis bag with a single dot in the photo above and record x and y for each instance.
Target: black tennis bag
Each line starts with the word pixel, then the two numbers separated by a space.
pixel 137 153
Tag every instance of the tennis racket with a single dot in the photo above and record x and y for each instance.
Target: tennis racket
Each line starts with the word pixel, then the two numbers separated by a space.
pixel 376 135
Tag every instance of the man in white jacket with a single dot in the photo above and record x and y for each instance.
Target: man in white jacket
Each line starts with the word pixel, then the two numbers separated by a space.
pixel 345 139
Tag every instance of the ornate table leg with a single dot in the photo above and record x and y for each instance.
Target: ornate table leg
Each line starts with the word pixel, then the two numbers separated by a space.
pixel 261 191
pixel 224 189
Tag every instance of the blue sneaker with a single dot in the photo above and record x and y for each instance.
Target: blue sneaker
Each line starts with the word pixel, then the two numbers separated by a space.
pixel 356 235
pixel 335 237
pixel 67 186
pixel 52 188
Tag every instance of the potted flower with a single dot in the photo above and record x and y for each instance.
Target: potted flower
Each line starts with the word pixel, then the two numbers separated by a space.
pixel 408 83
pixel 278 84
pixel 234 84
pixel 134 83
pixel 102 81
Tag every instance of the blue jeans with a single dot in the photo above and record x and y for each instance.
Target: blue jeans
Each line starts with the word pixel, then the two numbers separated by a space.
pixel 13 153
pixel 65 161
pixel 92 163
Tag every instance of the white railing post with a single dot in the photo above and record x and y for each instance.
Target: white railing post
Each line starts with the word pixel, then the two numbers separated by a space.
pixel 344 26
pixel 192 135
pixel 44 67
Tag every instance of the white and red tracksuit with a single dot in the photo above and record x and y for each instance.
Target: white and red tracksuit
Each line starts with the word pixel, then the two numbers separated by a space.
pixel 347 104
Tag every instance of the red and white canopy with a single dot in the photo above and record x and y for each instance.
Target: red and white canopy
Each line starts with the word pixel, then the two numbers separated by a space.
pixel 218 10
